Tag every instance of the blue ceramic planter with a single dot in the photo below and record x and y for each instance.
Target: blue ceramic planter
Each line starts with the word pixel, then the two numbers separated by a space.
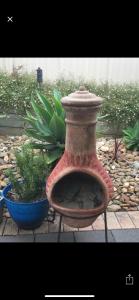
pixel 26 215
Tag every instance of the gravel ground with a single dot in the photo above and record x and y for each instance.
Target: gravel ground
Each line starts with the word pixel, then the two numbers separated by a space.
pixel 124 173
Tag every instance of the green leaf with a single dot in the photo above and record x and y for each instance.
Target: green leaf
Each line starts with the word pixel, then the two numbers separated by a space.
pixel 131 137
pixel 44 129
pixel 43 146
pixel 41 113
pixel 46 103
pixel 57 126
pixel 46 132
pixel 58 106
pixel 34 125
pixel 57 95
pixel 30 115
pixel 54 155
pixel 32 133
pixel 102 117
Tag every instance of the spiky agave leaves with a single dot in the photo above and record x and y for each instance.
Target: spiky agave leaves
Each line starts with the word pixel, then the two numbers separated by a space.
pixel 131 137
pixel 47 125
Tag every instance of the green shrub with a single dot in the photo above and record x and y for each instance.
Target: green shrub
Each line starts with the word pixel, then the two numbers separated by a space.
pixel 15 92
pixel 32 169
pixel 121 101
pixel 121 105
pixel 131 137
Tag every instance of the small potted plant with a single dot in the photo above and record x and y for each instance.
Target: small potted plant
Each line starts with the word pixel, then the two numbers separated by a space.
pixel 25 195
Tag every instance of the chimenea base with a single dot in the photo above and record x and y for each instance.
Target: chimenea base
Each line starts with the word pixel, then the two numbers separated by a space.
pixel 105 224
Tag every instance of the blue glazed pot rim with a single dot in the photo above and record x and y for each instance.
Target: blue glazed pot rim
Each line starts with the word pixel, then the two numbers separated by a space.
pixel 9 187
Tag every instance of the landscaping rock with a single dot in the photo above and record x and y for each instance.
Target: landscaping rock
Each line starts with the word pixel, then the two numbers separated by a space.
pixel 117 197
pixel 2 183
pixel 124 204
pixel 1 161
pixel 6 158
pixel 125 198
pixel 114 207
pixel 4 167
pixel 135 165
pixel 2 154
pixel 126 184
pixel 121 173
pixel 133 198
pixel 124 190
pixel 111 202
pixel 132 208
pixel 137 189
pixel 129 156
pixel 131 189
pixel 116 202
pixel 3 149
pixel 104 148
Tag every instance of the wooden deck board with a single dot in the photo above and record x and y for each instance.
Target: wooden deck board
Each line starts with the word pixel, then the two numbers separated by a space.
pixel 86 228
pixel 23 231
pixel 10 228
pixel 124 220
pixel 134 215
pixel 112 221
pixel 53 227
pixel 99 223
pixel 42 229
pixel 2 225
pixel 67 228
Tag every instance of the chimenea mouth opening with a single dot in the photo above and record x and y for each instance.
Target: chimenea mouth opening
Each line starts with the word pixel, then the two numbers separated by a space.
pixel 78 190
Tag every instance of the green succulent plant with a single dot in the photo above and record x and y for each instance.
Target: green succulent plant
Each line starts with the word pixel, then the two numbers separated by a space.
pixel 47 125
pixel 131 137
pixel 32 170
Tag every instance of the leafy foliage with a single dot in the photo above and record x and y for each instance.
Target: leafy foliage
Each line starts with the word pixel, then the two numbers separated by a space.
pixel 131 137
pixel 47 125
pixel 33 170
pixel 121 101
pixel 15 93
pixel 121 105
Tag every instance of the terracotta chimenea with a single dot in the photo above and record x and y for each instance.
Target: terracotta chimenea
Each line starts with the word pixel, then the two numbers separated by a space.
pixel 79 187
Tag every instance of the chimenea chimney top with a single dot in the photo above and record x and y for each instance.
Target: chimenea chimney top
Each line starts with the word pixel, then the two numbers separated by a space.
pixel 82 88
pixel 82 98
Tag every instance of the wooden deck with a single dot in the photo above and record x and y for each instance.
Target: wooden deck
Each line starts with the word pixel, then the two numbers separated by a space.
pixel 118 220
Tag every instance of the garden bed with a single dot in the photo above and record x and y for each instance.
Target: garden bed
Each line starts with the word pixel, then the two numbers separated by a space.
pixel 124 173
